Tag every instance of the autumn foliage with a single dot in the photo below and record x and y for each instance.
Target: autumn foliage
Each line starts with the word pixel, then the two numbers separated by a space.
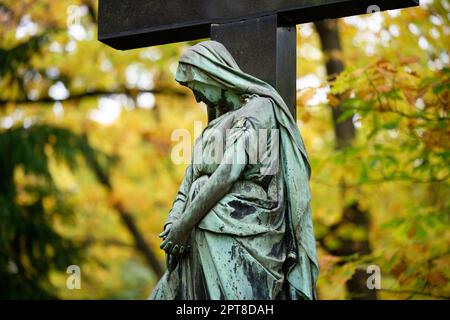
pixel 86 176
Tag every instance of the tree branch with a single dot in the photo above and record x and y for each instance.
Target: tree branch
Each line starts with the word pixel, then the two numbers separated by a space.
pixel 127 218
pixel 382 180
pixel 412 292
pixel 94 93
pixel 107 242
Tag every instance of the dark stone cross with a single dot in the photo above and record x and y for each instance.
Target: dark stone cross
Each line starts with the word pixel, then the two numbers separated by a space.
pixel 260 34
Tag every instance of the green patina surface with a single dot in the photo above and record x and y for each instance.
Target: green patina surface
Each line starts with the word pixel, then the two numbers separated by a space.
pixel 239 229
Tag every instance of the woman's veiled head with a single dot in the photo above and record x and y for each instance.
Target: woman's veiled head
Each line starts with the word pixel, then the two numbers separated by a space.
pixel 205 84
pixel 211 51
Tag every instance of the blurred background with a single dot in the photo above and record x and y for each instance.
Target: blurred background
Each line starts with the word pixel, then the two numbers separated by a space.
pixel 86 176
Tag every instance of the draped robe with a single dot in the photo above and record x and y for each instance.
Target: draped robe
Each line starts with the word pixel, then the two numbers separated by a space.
pixel 257 242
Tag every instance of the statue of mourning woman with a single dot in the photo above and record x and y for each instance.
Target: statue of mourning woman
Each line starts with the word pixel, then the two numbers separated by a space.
pixel 240 227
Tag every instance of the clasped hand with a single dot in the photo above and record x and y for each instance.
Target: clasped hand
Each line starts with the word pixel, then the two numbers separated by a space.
pixel 175 239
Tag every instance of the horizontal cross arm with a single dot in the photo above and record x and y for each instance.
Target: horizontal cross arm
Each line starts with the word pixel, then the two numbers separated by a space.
pixel 129 24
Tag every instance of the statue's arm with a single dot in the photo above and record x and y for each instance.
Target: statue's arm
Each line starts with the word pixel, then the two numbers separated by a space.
pixel 218 185
pixel 230 170
pixel 179 203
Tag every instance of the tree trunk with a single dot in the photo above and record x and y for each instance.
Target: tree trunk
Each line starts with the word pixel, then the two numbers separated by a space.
pixel 345 134
pixel 331 47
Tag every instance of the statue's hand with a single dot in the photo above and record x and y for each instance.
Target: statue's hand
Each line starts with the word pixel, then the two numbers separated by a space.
pixel 166 231
pixel 171 261
pixel 176 239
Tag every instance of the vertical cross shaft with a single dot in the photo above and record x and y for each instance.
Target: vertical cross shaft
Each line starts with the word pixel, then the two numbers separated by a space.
pixel 264 47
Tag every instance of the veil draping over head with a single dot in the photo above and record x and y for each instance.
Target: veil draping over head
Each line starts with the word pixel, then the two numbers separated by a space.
pixel 209 62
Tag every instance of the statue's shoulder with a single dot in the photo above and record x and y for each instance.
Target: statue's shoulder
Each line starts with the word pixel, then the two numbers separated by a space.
pixel 256 101
pixel 256 108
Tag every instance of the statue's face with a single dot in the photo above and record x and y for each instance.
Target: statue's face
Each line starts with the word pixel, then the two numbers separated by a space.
pixel 213 96
pixel 208 94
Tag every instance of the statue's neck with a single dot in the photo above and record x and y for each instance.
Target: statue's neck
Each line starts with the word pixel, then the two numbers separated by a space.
pixel 232 102
pixel 212 114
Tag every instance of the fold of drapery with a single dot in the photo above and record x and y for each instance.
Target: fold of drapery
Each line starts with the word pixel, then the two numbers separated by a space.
pixel 225 266
pixel 210 63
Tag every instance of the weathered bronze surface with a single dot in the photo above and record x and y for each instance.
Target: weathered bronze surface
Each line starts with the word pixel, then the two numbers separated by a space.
pixel 240 226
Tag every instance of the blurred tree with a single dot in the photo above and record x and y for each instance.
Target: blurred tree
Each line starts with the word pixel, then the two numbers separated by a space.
pixel 31 246
pixel 400 61
pixel 344 131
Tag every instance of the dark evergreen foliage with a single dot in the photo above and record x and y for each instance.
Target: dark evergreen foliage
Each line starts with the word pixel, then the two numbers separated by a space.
pixel 30 246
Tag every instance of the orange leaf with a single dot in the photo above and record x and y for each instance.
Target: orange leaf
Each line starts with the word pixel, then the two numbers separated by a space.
pixel 333 100
pixel 437 278
pixel 305 117
pixel 408 60
pixel 399 269
pixel 307 95
pixel 409 97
